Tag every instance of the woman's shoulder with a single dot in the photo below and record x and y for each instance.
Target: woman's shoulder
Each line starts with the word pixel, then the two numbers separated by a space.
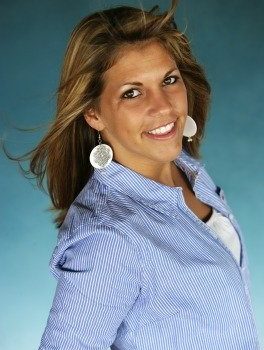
pixel 90 221
pixel 79 245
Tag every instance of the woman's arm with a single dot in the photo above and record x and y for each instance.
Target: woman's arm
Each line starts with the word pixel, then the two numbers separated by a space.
pixel 99 282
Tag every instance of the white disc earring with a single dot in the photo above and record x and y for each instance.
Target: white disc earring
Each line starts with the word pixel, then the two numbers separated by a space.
pixel 101 155
pixel 190 128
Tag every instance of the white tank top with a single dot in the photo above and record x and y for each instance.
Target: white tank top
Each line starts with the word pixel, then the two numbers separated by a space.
pixel 225 230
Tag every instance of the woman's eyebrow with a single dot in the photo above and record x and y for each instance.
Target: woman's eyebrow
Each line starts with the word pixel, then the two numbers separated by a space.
pixel 139 84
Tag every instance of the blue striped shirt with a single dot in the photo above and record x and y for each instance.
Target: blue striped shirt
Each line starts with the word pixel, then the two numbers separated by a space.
pixel 137 269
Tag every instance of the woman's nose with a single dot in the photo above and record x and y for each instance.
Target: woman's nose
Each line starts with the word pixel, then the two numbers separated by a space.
pixel 159 104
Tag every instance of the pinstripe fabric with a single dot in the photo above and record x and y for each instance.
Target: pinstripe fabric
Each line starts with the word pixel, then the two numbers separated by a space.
pixel 138 270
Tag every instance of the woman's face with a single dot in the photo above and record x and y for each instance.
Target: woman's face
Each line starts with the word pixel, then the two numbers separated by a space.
pixel 143 108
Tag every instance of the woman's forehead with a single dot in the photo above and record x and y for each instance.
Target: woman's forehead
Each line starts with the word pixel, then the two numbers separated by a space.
pixel 137 61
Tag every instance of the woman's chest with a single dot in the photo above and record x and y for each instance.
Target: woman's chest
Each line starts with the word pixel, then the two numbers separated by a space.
pixel 184 275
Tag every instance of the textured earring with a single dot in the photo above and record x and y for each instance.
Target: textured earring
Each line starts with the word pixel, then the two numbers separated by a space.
pixel 101 155
pixel 190 128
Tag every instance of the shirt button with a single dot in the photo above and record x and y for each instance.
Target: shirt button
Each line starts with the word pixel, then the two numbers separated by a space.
pixel 231 216
pixel 247 292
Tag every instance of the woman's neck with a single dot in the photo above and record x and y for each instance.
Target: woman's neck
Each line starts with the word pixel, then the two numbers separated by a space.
pixel 165 173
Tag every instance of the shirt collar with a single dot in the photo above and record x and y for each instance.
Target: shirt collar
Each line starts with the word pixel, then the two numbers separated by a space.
pixel 143 189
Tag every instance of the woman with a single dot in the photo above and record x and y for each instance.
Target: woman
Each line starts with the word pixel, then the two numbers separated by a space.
pixel 149 255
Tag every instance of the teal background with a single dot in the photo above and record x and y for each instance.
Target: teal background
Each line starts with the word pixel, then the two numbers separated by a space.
pixel 227 37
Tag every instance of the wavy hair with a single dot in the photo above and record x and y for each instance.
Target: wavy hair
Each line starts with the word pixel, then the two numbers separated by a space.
pixel 62 156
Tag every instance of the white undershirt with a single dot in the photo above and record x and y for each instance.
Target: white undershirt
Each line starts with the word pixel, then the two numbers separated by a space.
pixel 225 230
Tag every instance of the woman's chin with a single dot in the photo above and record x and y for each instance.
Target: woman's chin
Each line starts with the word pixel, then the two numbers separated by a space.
pixel 169 155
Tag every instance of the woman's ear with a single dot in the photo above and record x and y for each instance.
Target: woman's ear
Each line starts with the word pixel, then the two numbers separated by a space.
pixel 93 119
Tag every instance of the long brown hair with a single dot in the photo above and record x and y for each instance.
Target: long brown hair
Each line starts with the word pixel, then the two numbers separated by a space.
pixel 62 156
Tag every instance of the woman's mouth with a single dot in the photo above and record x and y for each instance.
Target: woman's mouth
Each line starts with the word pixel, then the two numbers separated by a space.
pixel 162 132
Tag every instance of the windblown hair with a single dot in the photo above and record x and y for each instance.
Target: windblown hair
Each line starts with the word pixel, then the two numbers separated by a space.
pixel 62 156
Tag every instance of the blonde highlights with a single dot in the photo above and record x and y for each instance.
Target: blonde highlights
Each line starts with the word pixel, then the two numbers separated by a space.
pixel 94 46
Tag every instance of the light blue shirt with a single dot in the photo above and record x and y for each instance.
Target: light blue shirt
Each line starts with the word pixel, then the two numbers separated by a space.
pixel 138 270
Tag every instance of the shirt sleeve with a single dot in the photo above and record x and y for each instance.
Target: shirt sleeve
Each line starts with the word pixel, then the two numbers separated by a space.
pixel 98 283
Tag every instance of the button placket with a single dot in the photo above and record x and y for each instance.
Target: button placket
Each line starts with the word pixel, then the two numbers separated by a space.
pixel 212 233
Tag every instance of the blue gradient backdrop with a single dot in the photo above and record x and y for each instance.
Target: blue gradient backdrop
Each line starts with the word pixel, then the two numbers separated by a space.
pixel 227 37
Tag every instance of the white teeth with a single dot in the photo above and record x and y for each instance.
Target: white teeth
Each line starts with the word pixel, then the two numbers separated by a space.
pixel 162 130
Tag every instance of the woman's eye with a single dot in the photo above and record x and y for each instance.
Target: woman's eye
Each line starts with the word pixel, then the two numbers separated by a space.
pixel 170 80
pixel 131 93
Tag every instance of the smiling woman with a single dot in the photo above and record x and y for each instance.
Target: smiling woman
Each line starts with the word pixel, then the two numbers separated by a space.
pixel 143 120
pixel 149 254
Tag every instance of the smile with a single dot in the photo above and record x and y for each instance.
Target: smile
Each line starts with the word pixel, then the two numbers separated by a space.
pixel 162 130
